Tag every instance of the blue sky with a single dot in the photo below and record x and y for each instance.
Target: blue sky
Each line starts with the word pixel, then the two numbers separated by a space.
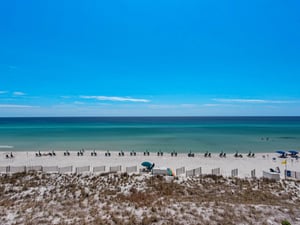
pixel 149 58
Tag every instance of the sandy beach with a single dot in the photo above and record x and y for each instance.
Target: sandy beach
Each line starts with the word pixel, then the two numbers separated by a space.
pixel 261 162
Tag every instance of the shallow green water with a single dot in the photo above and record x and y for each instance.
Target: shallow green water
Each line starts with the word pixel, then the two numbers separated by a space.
pixel 199 134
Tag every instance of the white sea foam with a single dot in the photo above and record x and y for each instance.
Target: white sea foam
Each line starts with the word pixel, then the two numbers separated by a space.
pixel 6 146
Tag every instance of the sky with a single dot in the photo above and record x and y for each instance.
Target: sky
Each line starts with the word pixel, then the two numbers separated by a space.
pixel 149 58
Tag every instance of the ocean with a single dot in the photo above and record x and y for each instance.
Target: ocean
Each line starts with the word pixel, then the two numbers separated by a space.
pixel 182 134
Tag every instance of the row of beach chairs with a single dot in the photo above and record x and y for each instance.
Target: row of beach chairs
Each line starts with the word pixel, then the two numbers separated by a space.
pixel 133 153
pixel 39 154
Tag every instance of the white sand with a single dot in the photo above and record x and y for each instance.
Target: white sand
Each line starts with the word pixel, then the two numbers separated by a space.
pixel 261 162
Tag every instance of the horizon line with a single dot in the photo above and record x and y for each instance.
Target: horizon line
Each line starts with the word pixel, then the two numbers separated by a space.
pixel 141 116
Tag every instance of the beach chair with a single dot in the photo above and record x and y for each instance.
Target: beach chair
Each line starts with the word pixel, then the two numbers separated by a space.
pixel 80 153
pixel 174 153
pixel 93 153
pixel 132 153
pixel 272 170
pixel 66 153
pixel 146 153
pixel 160 153
pixel 191 154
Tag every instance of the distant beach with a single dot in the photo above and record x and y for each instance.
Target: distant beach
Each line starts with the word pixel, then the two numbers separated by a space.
pixel 181 134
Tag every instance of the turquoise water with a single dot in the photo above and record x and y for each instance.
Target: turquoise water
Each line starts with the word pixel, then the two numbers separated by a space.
pixel 199 134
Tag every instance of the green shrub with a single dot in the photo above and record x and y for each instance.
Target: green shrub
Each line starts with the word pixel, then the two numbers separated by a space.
pixel 285 222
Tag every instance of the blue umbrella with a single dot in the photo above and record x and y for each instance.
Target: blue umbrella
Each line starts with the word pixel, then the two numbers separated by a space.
pixel 293 152
pixel 148 165
pixel 280 152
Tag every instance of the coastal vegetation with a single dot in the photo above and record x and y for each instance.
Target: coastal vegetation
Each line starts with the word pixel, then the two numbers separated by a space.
pixel 36 198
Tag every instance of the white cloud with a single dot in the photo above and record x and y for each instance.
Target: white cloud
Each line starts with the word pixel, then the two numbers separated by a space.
pixel 212 105
pixel 188 105
pixel 15 106
pixel 114 98
pixel 65 97
pixel 78 103
pixel 3 92
pixel 255 101
pixel 18 93
pixel 165 106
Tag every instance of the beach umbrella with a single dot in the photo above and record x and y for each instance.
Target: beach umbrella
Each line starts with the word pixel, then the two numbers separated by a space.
pixel 146 164
pixel 293 152
pixel 170 172
pixel 280 152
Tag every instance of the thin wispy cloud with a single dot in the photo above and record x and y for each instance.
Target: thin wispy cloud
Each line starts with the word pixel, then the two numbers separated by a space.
pixel 174 106
pixel 18 93
pixel 3 92
pixel 15 106
pixel 212 105
pixel 65 96
pixel 254 101
pixel 115 98
pixel 78 103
